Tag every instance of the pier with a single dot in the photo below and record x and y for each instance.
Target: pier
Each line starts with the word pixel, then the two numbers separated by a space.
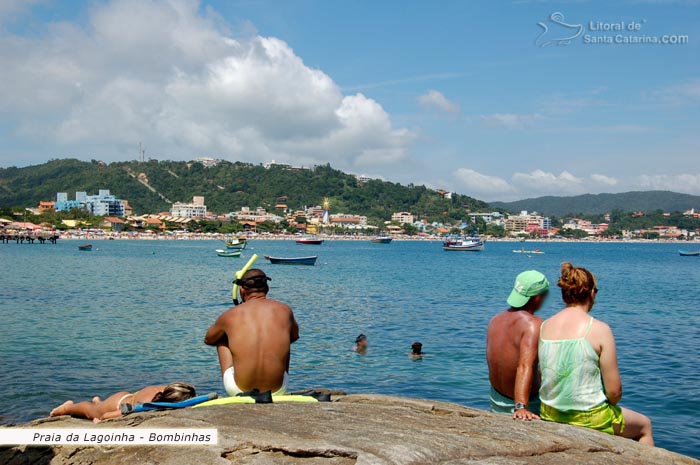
pixel 28 237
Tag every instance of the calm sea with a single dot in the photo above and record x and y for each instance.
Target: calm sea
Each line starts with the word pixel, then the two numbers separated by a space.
pixel 133 313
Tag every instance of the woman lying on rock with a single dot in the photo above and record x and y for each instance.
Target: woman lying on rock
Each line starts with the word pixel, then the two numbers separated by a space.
pixel 111 407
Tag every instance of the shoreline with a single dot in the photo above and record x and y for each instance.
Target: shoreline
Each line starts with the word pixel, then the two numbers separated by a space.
pixel 331 238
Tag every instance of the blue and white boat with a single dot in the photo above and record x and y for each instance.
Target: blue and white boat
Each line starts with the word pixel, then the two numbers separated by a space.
pixel 466 244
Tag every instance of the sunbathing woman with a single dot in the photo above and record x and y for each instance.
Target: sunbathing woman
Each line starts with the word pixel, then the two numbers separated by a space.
pixel 111 407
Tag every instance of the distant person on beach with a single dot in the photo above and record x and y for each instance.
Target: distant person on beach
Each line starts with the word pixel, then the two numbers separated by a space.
pixel 360 344
pixel 254 339
pixel 98 409
pixel 511 349
pixel 580 378
pixel 417 350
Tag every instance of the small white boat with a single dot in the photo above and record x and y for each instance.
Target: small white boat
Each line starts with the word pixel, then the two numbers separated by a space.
pixel 529 252
pixel 228 253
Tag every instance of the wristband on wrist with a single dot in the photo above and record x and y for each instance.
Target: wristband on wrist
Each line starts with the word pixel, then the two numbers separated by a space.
pixel 520 406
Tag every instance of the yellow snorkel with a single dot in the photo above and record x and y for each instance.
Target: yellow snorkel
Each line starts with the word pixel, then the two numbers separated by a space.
pixel 238 275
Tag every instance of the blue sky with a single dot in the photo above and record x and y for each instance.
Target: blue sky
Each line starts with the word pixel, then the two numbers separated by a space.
pixel 460 95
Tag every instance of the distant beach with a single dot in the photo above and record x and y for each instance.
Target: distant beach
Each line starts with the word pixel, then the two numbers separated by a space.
pixel 291 237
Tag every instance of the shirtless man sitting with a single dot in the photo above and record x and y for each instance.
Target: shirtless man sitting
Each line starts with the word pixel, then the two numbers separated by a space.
pixel 253 339
pixel 511 349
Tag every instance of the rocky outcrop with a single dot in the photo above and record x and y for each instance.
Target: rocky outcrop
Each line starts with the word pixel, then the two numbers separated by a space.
pixel 356 429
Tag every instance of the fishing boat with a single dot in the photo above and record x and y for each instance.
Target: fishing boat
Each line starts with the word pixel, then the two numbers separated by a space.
pixel 85 247
pixel 529 252
pixel 467 244
pixel 235 245
pixel 310 241
pixel 689 253
pixel 382 240
pixel 311 260
pixel 228 253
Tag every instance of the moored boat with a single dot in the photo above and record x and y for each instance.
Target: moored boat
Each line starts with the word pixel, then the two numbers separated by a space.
pixel 382 240
pixel 689 253
pixel 235 245
pixel 468 244
pixel 228 253
pixel 310 241
pixel 85 247
pixel 529 252
pixel 311 260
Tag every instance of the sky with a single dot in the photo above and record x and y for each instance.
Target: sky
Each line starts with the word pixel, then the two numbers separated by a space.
pixel 500 100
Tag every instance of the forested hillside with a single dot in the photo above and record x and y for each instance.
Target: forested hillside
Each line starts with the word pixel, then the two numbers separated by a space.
pixel 226 187
pixel 590 204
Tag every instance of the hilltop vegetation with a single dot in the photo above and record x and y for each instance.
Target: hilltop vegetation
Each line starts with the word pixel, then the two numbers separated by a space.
pixel 594 204
pixel 227 187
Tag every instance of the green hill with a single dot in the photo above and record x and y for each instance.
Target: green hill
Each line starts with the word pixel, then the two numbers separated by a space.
pixel 590 204
pixel 150 186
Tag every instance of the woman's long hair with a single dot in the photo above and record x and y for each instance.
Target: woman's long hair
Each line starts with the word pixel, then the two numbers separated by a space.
pixel 175 392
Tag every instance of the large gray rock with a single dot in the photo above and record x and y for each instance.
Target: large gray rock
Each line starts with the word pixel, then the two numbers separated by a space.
pixel 356 429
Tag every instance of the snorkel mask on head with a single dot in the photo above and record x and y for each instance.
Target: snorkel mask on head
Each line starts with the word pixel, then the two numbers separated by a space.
pixel 253 282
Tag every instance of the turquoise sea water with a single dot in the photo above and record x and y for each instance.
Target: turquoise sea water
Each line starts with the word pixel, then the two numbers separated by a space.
pixel 132 313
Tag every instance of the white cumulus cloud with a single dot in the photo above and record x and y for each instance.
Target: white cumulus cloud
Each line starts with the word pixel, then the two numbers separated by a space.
pixel 544 182
pixel 178 79
pixel 603 179
pixel 475 183
pixel 687 183
pixel 437 101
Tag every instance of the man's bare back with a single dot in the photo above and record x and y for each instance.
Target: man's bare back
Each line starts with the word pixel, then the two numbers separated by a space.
pixel 511 348
pixel 509 333
pixel 254 338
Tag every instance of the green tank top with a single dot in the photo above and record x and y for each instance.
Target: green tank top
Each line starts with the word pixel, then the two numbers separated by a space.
pixel 571 378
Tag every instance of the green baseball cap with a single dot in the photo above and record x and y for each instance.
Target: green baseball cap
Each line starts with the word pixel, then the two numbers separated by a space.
pixel 528 284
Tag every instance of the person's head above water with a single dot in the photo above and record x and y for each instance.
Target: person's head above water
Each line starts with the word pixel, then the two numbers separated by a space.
pixel 578 285
pixel 417 348
pixel 175 392
pixel 254 281
pixel 361 342
pixel 529 291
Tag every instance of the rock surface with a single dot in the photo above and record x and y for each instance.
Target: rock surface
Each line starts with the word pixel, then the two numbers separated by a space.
pixel 356 429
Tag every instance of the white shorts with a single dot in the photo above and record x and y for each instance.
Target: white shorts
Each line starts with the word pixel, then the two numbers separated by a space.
pixel 232 389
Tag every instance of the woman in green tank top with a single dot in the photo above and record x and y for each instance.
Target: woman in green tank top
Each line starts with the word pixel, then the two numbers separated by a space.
pixel 578 363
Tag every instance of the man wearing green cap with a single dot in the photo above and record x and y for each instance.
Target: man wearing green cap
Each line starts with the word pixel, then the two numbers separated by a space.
pixel 511 349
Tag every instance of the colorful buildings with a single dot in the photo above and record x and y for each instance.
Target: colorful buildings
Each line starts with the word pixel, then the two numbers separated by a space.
pixel 63 204
pixel 592 229
pixel 102 204
pixel 527 223
pixel 46 206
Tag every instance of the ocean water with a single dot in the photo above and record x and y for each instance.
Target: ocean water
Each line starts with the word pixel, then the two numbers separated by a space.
pixel 133 313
